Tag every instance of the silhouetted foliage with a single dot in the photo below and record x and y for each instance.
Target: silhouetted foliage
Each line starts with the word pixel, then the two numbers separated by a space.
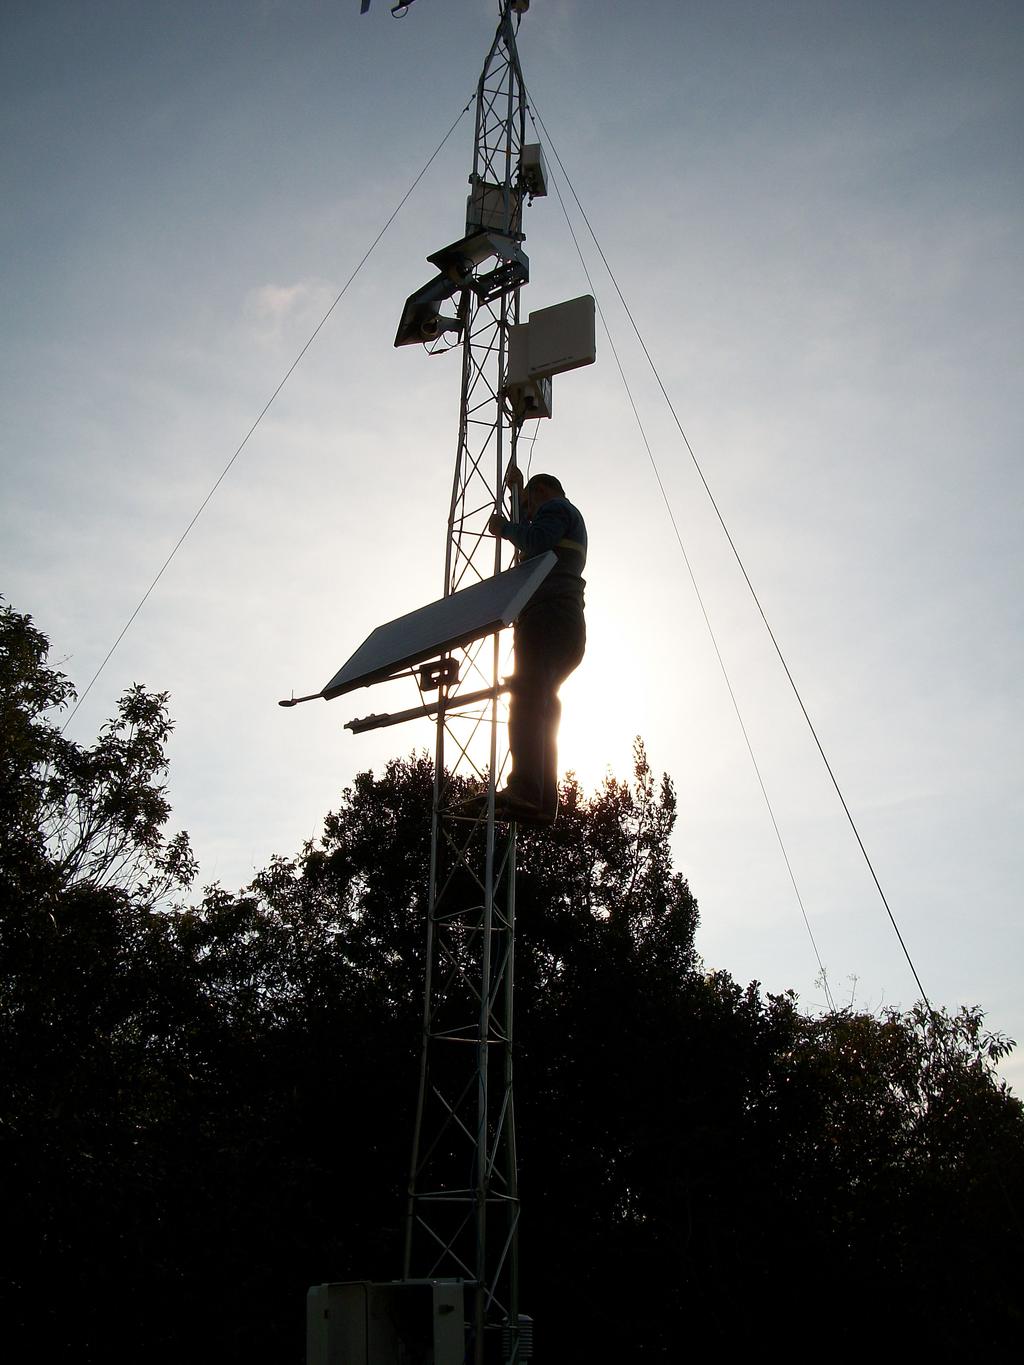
pixel 207 1108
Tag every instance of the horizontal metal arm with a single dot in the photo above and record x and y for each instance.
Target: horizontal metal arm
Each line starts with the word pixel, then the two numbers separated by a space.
pixel 430 709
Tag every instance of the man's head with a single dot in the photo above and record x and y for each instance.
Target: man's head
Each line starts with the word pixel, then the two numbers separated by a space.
pixel 541 489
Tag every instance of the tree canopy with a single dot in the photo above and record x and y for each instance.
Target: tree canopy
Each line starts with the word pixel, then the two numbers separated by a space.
pixel 206 1099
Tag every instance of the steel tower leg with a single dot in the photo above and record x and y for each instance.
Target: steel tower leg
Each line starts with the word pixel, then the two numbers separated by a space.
pixel 463 1204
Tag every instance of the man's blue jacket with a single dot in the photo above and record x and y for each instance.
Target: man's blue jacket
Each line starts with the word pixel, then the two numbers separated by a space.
pixel 558 526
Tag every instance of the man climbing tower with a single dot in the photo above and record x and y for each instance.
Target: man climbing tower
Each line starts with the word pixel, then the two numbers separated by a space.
pixel 550 637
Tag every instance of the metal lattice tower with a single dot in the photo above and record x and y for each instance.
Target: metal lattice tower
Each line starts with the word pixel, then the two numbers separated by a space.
pixel 463 1209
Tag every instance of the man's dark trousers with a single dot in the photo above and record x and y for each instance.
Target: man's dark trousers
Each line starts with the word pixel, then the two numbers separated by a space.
pixel 550 638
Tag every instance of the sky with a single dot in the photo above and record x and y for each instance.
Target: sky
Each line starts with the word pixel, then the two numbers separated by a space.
pixel 814 212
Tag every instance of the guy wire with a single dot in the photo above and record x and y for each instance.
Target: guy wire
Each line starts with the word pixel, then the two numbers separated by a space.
pixel 266 407
pixel 736 555
pixel 697 593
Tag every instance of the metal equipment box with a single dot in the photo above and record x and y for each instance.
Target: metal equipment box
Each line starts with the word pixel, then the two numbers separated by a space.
pixel 561 338
pixel 403 1322
pixel 534 170
pixel 485 208
pixel 554 340
pixel 530 397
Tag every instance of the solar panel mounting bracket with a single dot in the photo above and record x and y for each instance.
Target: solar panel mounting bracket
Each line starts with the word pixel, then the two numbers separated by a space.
pixel 419 643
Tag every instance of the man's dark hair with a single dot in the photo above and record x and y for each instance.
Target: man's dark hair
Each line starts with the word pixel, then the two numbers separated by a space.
pixel 549 481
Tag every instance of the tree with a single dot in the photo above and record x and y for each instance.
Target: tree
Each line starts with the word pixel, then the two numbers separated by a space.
pixel 220 1094
pixel 81 817
pixel 90 993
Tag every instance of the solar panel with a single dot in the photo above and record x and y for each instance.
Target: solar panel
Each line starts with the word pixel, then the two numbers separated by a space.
pixel 446 624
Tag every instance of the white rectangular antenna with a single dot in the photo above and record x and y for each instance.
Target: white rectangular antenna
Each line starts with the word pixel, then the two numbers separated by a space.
pixel 562 337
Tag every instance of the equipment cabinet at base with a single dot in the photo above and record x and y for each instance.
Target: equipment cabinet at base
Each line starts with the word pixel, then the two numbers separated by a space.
pixel 405 1322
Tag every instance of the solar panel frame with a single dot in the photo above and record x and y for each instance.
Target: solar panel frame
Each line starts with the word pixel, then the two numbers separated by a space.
pixel 448 623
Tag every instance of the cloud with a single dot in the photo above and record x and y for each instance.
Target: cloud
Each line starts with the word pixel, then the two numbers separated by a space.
pixel 270 310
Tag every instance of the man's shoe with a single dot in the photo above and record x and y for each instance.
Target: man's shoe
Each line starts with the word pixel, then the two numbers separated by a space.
pixel 509 805
pixel 540 815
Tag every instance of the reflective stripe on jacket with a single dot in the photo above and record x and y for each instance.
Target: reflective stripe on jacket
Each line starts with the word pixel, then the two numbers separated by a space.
pixel 558 526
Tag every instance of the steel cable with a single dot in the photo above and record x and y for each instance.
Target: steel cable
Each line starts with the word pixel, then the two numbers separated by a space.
pixel 266 407
pixel 736 555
